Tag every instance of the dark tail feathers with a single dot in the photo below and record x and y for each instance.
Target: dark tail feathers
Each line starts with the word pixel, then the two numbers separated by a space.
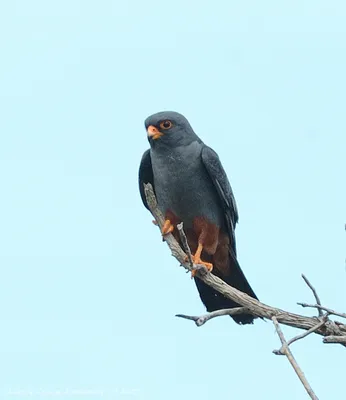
pixel 216 301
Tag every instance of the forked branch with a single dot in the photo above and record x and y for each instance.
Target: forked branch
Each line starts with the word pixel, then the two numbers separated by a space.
pixel 253 306
pixel 332 331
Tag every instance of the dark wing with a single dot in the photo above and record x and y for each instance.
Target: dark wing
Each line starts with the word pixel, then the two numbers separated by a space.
pixel 218 175
pixel 145 175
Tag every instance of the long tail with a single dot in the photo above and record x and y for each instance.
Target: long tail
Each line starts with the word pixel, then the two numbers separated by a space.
pixel 216 301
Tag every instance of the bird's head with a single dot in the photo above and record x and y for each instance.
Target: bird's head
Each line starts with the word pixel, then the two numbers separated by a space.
pixel 169 129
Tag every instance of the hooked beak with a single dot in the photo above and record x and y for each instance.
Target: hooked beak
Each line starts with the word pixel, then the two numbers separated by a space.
pixel 154 133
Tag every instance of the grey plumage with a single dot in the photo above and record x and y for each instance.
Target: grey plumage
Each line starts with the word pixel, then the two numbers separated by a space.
pixel 181 180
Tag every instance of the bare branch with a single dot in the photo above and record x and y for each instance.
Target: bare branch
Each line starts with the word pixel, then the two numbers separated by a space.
pixel 201 320
pixel 186 246
pixel 335 339
pixel 333 331
pixel 328 310
pixel 287 352
pixel 318 301
pixel 254 307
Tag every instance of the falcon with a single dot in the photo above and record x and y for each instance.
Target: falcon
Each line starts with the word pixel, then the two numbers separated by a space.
pixel 191 186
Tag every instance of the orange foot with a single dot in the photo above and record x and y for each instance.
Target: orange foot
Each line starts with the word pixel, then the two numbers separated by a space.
pixel 209 266
pixel 167 227
pixel 197 260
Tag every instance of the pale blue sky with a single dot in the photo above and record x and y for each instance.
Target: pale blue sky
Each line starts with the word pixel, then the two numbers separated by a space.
pixel 88 291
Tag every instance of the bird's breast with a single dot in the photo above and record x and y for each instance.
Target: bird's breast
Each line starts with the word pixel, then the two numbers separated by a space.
pixel 183 185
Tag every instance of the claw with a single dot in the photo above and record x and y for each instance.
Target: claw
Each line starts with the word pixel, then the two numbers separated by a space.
pixel 209 266
pixel 167 227
pixel 197 260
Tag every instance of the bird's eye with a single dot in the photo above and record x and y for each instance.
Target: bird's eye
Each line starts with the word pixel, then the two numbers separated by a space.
pixel 166 124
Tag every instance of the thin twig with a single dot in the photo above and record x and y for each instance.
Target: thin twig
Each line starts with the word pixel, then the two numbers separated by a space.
pixel 328 310
pixel 202 319
pixel 309 331
pixel 318 301
pixel 186 246
pixel 287 352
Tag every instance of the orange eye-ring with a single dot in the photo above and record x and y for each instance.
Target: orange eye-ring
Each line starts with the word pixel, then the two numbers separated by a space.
pixel 166 124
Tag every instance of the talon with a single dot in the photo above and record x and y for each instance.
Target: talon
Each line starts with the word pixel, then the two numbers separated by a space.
pixel 197 260
pixel 167 227
pixel 209 266
pixel 154 222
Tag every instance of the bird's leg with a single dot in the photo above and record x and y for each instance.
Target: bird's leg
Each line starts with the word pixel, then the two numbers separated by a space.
pixel 197 260
pixel 167 228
